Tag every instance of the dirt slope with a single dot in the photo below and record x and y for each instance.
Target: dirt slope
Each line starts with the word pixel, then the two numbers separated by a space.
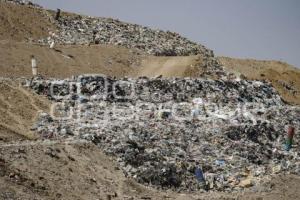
pixel 20 23
pixel 284 77
pixel 18 108
pixel 67 61
pixel 169 66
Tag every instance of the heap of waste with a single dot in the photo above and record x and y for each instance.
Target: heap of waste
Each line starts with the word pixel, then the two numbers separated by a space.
pixel 80 29
pixel 182 134
pixel 77 29
pixel 72 29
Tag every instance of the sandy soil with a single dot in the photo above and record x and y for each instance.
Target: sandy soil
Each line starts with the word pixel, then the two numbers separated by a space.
pixel 67 61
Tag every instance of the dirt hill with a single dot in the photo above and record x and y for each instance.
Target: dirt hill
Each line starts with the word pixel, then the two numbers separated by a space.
pixel 22 23
pixel 284 77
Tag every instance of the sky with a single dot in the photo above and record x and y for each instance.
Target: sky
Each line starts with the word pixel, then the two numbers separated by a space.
pixel 260 29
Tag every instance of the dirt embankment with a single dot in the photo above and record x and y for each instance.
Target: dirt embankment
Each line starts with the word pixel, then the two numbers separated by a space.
pixel 284 77
pixel 18 108
pixel 23 23
pixel 64 62
pixel 20 23
pixel 67 61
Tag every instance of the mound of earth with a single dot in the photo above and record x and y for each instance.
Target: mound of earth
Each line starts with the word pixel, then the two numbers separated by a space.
pixel 73 30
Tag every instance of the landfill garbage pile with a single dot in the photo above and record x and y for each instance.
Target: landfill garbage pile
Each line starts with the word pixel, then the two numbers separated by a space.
pixel 101 87
pixel 77 29
pixel 23 2
pixel 181 134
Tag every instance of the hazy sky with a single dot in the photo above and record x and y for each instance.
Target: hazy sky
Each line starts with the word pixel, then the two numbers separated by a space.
pixel 261 29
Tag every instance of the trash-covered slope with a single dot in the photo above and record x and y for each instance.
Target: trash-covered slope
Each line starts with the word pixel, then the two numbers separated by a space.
pixel 78 29
pixel 75 170
pixel 28 22
pixel 233 140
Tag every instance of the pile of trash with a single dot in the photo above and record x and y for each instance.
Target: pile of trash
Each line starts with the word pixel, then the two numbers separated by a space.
pixel 73 29
pixel 157 89
pixel 182 134
pixel 78 29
